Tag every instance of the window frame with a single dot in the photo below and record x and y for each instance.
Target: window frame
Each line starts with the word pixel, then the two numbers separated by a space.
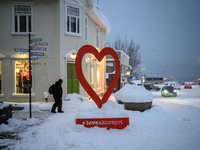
pixel 18 15
pixel 97 37
pixel 86 28
pixel 79 27
pixel 14 94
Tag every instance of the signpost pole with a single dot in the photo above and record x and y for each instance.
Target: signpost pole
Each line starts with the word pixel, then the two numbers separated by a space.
pixel 30 75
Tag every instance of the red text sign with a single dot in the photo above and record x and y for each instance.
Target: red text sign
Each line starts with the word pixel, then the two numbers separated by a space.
pixel 114 123
pixel 99 56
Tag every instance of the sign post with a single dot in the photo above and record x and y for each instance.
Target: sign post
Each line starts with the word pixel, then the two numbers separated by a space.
pixel 32 43
pixel 30 76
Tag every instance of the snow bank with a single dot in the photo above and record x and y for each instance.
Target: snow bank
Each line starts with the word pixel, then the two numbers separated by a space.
pixel 132 93
pixel 109 110
pixel 2 105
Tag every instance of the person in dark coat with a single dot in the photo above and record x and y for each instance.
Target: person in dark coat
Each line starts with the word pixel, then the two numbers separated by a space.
pixel 57 95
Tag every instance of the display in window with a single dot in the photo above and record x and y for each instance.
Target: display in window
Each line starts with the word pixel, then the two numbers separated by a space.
pixel 22 77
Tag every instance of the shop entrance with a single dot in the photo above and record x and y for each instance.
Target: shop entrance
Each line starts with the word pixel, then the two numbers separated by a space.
pixel 72 80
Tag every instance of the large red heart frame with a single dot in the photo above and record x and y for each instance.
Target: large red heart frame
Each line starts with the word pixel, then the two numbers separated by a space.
pixel 99 56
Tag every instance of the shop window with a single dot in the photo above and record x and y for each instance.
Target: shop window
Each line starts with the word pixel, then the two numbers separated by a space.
pixel 0 79
pixel 86 72
pixel 92 76
pixel 98 76
pixel 22 77
pixel 22 18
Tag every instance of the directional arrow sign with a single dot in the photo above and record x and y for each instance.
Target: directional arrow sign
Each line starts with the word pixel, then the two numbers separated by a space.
pixel 38 48
pixel 36 40
pixel 37 53
pixel 39 63
pixel 45 56
pixel 34 58
pixel 39 44
pixel 20 50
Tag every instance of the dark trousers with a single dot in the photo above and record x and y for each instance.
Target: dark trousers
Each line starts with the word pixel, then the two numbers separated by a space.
pixel 57 103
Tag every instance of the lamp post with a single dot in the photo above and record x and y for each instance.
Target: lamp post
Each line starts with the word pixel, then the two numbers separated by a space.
pixel 142 70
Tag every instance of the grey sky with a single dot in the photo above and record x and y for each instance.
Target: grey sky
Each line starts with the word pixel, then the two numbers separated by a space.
pixel 168 32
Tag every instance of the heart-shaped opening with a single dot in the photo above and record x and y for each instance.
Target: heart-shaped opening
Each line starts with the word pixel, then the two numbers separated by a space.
pixel 97 57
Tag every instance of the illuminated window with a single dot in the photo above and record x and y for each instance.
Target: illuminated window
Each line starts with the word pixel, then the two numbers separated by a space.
pixel 22 76
pixel 92 77
pixel 86 72
pixel 22 18
pixel 0 79
pixel 98 76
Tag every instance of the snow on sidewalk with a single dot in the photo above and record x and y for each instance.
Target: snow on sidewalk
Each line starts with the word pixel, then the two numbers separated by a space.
pixel 165 126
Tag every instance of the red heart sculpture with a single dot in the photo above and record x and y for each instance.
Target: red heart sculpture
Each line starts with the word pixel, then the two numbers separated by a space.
pixel 105 51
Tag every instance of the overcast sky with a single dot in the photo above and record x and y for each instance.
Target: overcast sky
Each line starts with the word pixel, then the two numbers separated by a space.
pixel 168 32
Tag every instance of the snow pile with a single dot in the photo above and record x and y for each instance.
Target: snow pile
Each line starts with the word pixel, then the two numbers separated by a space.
pixel 16 124
pixel 132 93
pixel 75 97
pixel 2 105
pixel 109 110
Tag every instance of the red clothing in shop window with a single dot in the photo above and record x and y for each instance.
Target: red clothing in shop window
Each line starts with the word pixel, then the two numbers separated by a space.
pixel 25 72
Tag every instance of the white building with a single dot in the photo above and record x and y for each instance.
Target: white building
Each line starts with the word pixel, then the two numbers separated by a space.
pixel 125 69
pixel 66 25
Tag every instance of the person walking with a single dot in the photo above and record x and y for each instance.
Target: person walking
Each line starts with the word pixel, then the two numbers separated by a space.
pixel 57 95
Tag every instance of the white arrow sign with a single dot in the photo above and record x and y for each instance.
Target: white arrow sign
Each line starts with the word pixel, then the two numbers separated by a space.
pixel 20 50
pixel 38 48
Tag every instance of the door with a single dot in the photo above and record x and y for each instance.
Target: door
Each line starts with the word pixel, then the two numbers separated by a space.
pixel 72 80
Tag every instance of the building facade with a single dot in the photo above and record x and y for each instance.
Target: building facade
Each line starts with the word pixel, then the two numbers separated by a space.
pixel 66 25
pixel 125 69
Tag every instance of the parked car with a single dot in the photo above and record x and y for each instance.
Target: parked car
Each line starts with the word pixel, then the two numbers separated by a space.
pixel 168 91
pixel 151 87
pixel 176 86
pixel 187 86
pixel 181 82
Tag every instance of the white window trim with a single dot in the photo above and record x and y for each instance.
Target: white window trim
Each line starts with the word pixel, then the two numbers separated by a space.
pixel 97 28
pixel 13 19
pixel 76 5
pixel 86 27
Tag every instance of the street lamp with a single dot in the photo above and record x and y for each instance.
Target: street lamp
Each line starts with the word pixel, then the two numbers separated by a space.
pixel 142 71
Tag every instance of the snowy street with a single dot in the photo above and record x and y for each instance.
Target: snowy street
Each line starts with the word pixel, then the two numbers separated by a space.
pixel 172 123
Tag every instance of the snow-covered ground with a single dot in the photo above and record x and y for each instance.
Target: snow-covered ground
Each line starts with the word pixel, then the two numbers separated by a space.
pixel 171 124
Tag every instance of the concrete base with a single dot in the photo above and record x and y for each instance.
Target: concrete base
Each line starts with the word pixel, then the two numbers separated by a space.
pixel 136 106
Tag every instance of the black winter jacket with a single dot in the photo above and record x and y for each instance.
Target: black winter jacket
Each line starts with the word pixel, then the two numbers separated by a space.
pixel 57 90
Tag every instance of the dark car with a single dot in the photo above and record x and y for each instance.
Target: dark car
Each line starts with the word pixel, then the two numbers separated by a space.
pixel 151 87
pixel 187 86
pixel 168 91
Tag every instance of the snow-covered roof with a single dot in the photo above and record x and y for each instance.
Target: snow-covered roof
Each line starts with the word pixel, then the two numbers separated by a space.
pixel 123 53
pixel 67 55
pixel 97 16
